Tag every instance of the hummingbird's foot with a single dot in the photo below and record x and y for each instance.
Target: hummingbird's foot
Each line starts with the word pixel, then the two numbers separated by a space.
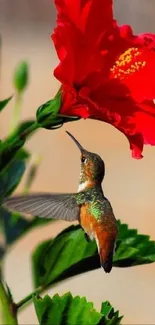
pixel 87 237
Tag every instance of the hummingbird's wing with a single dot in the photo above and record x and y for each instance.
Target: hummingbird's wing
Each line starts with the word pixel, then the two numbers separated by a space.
pixel 54 206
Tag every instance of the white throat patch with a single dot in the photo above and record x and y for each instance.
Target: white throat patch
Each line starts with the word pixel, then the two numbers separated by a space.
pixel 82 186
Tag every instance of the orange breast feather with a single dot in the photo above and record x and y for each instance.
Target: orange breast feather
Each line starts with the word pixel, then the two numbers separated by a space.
pixel 87 221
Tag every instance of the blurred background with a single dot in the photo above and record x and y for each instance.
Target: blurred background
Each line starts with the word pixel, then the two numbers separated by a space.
pixel 25 27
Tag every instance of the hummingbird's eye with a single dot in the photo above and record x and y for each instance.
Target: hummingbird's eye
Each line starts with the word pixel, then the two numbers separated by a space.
pixel 83 159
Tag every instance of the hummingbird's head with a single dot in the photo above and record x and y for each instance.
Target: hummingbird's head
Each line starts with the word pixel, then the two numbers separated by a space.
pixel 92 167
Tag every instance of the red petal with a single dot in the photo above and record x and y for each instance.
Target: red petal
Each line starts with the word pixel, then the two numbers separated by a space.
pixel 136 145
pixel 106 71
pixel 71 107
pixel 135 67
pixel 77 110
pixel 145 124
pixel 81 26
pixel 136 122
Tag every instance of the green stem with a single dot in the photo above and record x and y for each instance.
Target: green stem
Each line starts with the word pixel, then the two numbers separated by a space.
pixel 1 269
pixel 26 299
pixel 29 130
pixel 8 310
pixel 35 161
pixel 16 112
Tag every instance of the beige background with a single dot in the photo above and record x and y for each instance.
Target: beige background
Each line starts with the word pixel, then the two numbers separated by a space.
pixel 129 184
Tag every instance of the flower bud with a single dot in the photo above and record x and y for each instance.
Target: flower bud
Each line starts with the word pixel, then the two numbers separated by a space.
pixel 21 77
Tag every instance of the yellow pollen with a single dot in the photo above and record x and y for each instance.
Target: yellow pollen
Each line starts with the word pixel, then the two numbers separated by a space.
pixel 127 64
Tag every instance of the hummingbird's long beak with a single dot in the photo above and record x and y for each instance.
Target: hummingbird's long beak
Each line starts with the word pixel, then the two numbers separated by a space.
pixel 77 143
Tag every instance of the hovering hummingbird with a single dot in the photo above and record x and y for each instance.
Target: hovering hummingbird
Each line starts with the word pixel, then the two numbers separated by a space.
pixel 89 206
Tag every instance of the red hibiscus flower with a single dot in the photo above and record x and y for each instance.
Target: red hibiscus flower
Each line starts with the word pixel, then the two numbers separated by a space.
pixel 107 73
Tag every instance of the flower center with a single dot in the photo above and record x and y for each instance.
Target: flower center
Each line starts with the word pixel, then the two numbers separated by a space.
pixel 128 63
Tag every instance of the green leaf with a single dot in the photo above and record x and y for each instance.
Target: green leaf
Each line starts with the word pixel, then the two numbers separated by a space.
pixel 21 76
pixel 66 255
pixel 4 102
pixel 15 225
pixel 133 248
pixel 8 150
pixel 11 176
pixel 111 317
pixel 23 154
pixel 7 312
pixel 68 310
pixel 70 254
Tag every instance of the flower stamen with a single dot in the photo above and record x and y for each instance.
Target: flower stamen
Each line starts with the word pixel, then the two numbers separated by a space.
pixel 127 64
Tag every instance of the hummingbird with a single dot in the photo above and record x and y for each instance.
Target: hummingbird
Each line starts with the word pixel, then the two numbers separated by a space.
pixel 88 206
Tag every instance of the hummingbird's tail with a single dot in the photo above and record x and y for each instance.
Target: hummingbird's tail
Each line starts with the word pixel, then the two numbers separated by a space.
pixel 106 263
pixel 106 248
